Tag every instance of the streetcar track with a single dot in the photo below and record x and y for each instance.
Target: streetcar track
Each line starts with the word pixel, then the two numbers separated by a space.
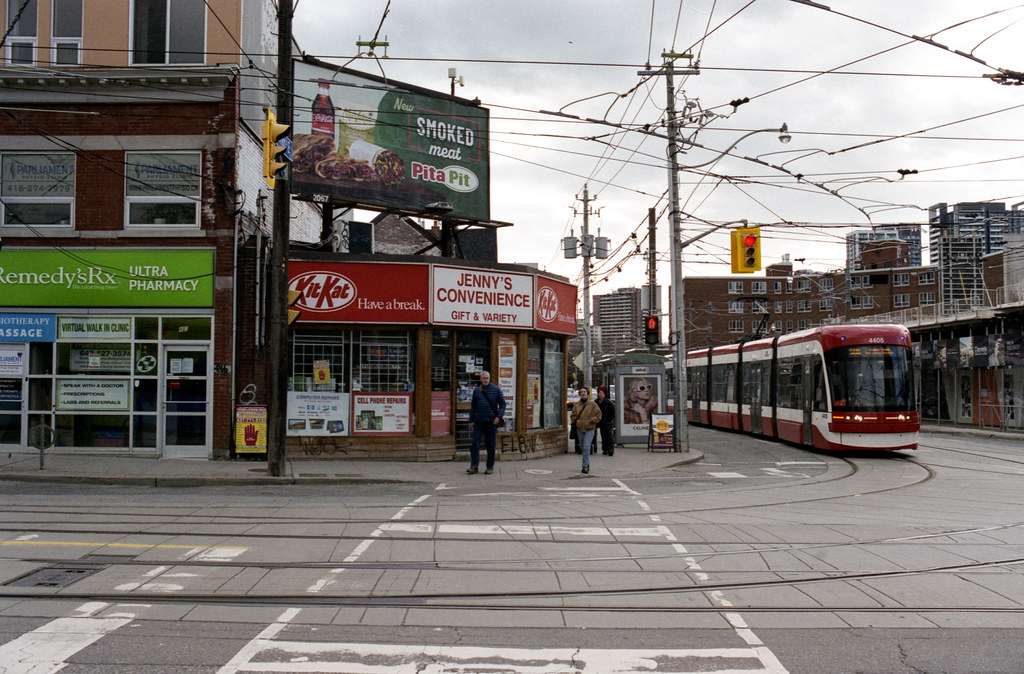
pixel 436 600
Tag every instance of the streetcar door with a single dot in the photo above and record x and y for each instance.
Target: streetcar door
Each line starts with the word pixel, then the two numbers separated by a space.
pixel 813 374
pixel 754 387
pixel 13 362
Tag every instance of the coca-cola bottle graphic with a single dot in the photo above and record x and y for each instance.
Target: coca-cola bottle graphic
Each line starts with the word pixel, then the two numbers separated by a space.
pixel 323 111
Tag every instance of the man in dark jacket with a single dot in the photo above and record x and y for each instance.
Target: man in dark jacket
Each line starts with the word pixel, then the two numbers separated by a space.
pixel 485 410
pixel 607 425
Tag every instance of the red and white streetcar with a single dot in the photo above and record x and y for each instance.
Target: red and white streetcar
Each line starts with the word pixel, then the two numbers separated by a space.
pixel 837 387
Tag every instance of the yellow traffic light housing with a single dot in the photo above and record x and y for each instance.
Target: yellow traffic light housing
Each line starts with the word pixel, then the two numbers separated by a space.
pixel 293 314
pixel 745 250
pixel 269 133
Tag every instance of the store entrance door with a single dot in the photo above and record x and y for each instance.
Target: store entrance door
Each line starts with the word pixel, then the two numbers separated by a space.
pixel 13 360
pixel 187 427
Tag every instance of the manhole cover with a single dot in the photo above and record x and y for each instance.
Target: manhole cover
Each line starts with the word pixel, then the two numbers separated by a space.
pixel 60 575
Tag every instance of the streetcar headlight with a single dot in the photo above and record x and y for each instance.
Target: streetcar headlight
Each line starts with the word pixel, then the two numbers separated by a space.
pixel 857 417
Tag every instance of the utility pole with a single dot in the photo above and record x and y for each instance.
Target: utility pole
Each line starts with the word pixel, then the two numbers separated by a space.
pixel 652 271
pixel 277 400
pixel 587 247
pixel 681 437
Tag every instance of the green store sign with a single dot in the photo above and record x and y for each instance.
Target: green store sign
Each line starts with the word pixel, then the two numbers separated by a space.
pixel 107 278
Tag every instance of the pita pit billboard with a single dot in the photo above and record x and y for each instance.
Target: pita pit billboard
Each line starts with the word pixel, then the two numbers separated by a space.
pixel 379 144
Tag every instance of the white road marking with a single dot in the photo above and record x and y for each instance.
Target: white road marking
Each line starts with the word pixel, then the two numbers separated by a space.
pixel 531 530
pixel 300 656
pixel 326 581
pixel 46 649
pixel 727 475
pixel 764 655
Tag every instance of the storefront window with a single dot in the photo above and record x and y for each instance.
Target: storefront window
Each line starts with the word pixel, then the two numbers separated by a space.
pixel 100 384
pixel 386 362
pixel 534 376
pixel 320 361
pixel 554 383
pixel 441 383
pixel 186 328
pixel 472 356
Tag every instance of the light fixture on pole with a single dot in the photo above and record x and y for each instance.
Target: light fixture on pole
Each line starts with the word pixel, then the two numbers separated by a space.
pixel 677 334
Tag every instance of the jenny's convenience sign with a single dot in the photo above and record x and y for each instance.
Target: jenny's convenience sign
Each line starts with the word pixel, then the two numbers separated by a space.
pixel 482 297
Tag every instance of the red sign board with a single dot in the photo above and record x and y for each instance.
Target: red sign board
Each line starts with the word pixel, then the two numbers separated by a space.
pixel 555 306
pixel 360 292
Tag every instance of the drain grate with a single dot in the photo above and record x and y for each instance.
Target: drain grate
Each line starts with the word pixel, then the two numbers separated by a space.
pixel 58 575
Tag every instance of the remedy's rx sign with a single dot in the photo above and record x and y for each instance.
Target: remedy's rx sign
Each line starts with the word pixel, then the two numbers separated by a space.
pixel 107 277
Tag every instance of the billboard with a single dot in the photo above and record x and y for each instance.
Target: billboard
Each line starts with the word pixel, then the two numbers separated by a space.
pixel 378 144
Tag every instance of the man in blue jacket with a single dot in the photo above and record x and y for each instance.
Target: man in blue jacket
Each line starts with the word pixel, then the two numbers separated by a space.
pixel 485 411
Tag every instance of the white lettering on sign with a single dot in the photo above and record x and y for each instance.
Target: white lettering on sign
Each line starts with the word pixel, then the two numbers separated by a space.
pixel 323 291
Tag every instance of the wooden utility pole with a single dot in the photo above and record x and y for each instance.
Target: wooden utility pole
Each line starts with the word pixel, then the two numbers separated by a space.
pixel 277 400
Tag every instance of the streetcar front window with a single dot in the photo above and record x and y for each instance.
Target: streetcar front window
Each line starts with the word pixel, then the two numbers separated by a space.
pixel 871 378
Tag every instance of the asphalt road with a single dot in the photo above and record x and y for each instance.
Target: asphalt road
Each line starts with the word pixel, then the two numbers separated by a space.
pixel 761 557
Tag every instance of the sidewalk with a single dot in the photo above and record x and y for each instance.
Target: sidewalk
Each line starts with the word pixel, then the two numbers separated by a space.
pixel 152 472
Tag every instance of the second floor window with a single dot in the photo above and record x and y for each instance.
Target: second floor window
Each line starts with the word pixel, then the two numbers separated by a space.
pixel 21 39
pixel 168 31
pixel 735 326
pixel 926 299
pixel 67 32
pixel 736 307
pixel 37 189
pixel 803 306
pixel 162 188
pixel 901 300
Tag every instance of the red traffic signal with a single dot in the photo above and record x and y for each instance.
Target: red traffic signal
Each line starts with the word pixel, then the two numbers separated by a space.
pixel 745 250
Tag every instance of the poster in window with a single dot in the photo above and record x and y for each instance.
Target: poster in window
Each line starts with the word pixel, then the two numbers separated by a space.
pixel 318 413
pixel 506 378
pixel 381 413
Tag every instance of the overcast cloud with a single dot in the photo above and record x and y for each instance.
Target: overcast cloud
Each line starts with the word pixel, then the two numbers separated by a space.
pixel 520 58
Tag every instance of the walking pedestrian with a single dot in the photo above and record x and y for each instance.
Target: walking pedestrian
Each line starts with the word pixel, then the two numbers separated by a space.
pixel 586 415
pixel 607 425
pixel 486 410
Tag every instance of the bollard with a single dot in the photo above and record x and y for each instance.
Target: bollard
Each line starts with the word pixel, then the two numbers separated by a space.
pixel 42 438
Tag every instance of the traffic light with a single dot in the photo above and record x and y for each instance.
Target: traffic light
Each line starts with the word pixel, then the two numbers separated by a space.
pixel 745 247
pixel 652 330
pixel 270 132
pixel 293 297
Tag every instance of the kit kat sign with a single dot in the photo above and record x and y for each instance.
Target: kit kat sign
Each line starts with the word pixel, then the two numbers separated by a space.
pixel 356 292
pixel 556 306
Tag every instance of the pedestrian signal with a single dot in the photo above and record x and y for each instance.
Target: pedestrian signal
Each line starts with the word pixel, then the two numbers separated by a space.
pixel 652 330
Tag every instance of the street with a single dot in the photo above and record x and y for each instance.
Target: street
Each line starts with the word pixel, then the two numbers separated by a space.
pixel 762 557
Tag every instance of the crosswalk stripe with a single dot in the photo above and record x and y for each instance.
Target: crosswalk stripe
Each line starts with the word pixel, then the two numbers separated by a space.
pixel 301 656
pixel 45 649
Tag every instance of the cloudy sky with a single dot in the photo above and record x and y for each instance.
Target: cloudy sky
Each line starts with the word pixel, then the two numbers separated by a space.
pixel 863 101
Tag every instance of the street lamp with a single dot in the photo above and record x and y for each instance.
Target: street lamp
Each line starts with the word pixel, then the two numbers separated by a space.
pixel 679 419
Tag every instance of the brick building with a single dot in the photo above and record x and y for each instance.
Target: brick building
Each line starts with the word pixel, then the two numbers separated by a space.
pixel 129 167
pixel 724 309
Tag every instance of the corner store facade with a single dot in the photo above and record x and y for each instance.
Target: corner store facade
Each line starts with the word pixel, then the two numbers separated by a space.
pixel 386 352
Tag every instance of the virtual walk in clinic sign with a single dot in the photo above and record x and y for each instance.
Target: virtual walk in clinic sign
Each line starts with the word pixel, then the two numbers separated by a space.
pixel 107 278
